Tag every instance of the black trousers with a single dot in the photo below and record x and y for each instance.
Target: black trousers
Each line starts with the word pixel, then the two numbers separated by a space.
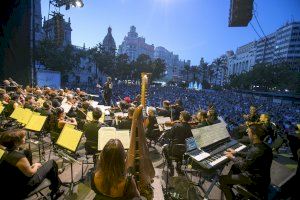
pixel 234 177
pixel 48 170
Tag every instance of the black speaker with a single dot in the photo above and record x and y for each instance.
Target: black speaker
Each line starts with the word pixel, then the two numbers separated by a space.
pixel 240 13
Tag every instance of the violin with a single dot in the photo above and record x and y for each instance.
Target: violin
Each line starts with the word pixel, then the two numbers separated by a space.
pixel 172 123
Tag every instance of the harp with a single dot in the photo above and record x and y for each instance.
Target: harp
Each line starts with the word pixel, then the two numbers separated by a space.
pixel 138 159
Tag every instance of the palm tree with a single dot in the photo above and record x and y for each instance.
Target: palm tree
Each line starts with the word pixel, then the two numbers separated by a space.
pixel 187 69
pixel 195 70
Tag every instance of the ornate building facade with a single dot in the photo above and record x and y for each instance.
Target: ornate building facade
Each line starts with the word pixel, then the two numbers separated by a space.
pixel 108 43
pixel 58 29
pixel 133 45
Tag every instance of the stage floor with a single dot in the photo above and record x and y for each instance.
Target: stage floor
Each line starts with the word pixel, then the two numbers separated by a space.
pixel 179 185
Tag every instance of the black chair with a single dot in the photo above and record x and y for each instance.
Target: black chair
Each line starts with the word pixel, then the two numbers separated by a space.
pixel 153 136
pixel 175 153
pixel 91 150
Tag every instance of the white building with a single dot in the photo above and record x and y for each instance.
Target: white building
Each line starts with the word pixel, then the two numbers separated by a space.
pixel 281 46
pixel 173 64
pixel 243 60
pixel 85 75
pixel 133 46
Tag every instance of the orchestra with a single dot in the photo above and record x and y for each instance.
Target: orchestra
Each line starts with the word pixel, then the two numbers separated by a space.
pixel 251 167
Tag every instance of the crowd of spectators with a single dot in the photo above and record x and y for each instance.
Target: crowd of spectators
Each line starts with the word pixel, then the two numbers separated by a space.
pixel 230 105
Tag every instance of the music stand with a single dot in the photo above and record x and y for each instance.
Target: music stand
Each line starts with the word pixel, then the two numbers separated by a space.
pixel 1 107
pixel 68 141
pixel 36 124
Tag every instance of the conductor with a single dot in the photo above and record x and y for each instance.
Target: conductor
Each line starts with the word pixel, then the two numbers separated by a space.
pixel 107 91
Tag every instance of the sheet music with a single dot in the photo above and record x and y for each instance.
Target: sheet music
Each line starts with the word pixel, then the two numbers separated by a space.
pixel 208 135
pixel 94 104
pixel 67 107
pixel 36 122
pixel 161 123
pixel 119 114
pixel 1 153
pixel 17 113
pixel 69 138
pixel 26 115
pixel 107 133
pixel 64 100
pixel 89 116
pixel 163 120
pixel 104 109
pixel 104 135
pixel 1 107
pixel 124 137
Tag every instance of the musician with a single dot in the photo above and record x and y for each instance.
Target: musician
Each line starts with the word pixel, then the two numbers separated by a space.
pixel 18 176
pixel 177 135
pixel 137 100
pixel 212 115
pixel 13 103
pixel 46 110
pixel 250 169
pixel 165 111
pixel 201 118
pixel 176 109
pixel 239 133
pixel 2 96
pixel 125 122
pixel 110 180
pixel 107 91
pixel 294 142
pixel 63 119
pixel 29 102
pixel 265 120
pixel 252 116
pixel 152 132
pixel 90 130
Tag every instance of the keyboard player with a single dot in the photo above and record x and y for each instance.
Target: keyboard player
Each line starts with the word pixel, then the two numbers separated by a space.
pixel 251 168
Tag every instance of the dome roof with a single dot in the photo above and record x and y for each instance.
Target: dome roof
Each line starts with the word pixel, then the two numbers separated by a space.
pixel 109 42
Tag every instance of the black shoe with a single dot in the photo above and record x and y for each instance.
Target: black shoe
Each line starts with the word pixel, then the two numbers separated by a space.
pixel 56 194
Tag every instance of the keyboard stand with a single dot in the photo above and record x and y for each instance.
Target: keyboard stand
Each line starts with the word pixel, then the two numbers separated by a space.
pixel 213 180
pixel 211 175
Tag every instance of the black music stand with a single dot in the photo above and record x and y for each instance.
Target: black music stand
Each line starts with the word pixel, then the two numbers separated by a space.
pixel 67 143
pixel 36 124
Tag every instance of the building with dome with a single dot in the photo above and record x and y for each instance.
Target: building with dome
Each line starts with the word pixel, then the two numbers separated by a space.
pixel 108 43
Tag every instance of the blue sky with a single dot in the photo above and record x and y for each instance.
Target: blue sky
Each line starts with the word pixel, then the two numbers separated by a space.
pixel 190 28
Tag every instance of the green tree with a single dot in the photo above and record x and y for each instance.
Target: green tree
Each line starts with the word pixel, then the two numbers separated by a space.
pixel 57 58
pixel 187 69
pixel 158 69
